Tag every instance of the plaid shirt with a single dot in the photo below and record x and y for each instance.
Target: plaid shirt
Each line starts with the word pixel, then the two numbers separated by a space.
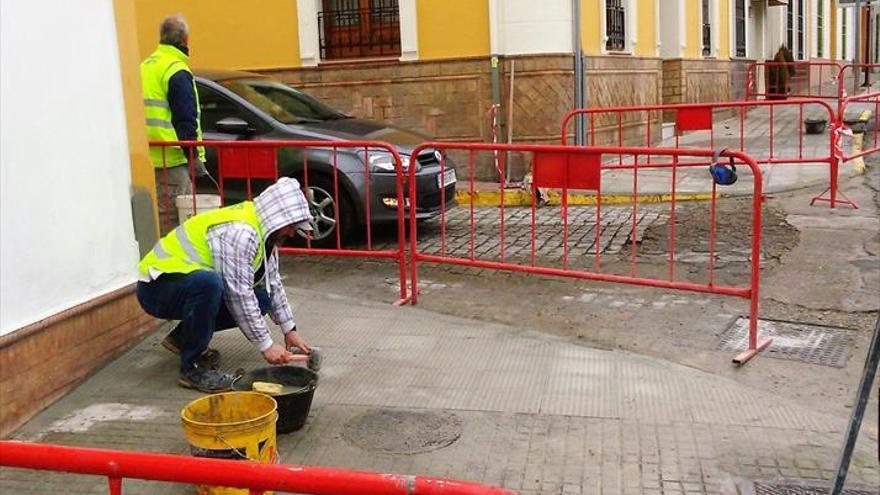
pixel 234 246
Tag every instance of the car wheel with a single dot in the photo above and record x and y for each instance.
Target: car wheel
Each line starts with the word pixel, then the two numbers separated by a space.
pixel 322 206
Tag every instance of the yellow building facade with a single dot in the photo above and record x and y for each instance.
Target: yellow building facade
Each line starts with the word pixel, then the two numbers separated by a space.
pixel 436 66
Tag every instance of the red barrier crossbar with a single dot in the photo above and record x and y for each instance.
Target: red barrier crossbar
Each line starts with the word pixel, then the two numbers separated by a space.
pixel 807 79
pixel 854 69
pixel 258 160
pixel 568 167
pixel 699 117
pixel 256 477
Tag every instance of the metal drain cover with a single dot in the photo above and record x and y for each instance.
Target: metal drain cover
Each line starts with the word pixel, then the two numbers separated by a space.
pixel 783 489
pixel 815 344
pixel 393 431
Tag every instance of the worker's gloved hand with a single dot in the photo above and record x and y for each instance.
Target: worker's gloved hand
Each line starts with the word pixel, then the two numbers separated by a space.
pixel 293 340
pixel 277 355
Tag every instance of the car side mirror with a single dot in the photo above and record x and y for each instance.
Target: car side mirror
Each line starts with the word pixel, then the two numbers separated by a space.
pixel 235 125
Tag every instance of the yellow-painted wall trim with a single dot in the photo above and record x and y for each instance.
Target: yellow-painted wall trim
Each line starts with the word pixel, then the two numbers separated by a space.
pixel 142 176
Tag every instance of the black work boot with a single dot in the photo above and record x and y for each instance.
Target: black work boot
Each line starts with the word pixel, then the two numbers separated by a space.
pixel 209 359
pixel 205 380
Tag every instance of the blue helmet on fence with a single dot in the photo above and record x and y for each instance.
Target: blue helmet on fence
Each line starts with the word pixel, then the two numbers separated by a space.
pixel 723 175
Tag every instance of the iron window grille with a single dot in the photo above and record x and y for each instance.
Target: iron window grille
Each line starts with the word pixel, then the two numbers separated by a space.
pixel 800 30
pixel 740 21
pixel 789 27
pixel 820 29
pixel 359 28
pixel 615 25
pixel 707 30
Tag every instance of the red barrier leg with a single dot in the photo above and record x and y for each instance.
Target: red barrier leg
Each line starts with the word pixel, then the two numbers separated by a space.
pixel 832 190
pixel 755 280
pixel 115 485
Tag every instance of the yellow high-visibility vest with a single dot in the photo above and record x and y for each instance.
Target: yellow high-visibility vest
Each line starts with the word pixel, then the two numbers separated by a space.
pixel 156 71
pixel 185 249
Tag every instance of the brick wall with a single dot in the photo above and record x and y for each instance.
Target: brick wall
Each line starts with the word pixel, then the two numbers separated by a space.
pixel 695 81
pixel 449 99
pixel 615 81
pixel 42 362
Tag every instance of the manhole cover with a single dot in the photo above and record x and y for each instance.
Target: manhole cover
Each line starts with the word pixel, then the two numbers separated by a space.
pixel 815 344
pixel 402 432
pixel 781 489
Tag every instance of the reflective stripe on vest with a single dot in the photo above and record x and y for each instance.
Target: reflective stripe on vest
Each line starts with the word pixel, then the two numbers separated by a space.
pixel 156 71
pixel 185 249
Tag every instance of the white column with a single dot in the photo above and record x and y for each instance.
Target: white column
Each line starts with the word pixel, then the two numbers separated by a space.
pixel 307 13
pixel 682 31
pixel 632 23
pixel 496 27
pixel 409 30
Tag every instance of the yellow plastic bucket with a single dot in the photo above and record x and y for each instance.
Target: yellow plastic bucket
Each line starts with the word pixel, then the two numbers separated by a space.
pixel 232 425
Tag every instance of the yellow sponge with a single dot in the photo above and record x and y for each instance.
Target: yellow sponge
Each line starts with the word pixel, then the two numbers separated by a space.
pixel 267 388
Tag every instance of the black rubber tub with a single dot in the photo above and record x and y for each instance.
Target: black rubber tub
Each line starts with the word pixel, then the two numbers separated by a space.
pixel 295 399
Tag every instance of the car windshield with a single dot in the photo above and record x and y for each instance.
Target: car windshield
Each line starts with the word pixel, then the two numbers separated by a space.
pixel 281 102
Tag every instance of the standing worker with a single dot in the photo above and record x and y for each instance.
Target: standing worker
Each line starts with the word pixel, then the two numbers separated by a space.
pixel 172 108
pixel 219 270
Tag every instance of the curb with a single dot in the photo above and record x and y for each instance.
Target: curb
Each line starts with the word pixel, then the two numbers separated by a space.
pixel 518 197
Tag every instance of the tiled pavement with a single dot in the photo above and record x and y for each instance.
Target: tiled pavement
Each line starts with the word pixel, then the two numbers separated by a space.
pixel 537 414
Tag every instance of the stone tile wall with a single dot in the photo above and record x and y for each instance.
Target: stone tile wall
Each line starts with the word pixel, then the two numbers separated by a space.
pixel 450 99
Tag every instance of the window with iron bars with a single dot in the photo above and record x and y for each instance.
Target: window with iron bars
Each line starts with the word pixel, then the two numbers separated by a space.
pixel 789 26
pixel 800 30
pixel 359 29
pixel 740 22
pixel 820 28
pixel 707 29
pixel 615 25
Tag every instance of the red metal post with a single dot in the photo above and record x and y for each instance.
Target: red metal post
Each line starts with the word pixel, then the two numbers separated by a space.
pixel 255 477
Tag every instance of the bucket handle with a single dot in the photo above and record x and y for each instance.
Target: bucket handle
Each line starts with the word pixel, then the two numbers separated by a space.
pixel 234 449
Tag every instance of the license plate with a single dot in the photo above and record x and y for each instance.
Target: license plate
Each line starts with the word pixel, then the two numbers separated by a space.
pixel 448 178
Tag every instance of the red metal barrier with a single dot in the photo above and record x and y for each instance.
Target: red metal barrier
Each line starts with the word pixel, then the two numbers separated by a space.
pixel 870 137
pixel 347 196
pixel 256 477
pixel 808 79
pixel 847 77
pixel 775 145
pixel 571 167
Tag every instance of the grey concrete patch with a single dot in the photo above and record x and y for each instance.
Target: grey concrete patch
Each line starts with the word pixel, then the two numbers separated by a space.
pixel 815 344
pixel 391 431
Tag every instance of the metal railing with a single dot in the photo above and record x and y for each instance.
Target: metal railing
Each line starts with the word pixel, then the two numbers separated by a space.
pixel 577 167
pixel 778 147
pixel 346 196
pixel 117 465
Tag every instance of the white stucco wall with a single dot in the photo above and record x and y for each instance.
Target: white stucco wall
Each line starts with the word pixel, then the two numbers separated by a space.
pixel 524 29
pixel 66 233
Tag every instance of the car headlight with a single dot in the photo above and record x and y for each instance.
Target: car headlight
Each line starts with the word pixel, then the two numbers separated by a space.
pixel 382 161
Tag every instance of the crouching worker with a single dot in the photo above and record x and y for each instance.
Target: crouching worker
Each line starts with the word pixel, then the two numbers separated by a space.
pixel 220 270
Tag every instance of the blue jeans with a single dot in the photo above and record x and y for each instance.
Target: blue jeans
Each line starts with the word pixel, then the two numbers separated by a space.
pixel 197 300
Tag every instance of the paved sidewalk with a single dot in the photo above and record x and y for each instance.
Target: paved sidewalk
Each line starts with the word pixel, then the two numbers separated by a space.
pixel 410 391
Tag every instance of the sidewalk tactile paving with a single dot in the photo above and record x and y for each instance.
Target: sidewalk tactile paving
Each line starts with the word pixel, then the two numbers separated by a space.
pixel 538 414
